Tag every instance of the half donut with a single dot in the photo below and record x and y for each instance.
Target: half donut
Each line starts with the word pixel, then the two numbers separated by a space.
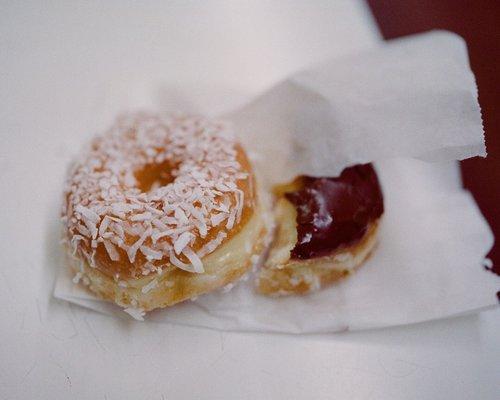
pixel 325 229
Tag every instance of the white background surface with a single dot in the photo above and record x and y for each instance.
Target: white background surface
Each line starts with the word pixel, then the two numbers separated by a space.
pixel 54 62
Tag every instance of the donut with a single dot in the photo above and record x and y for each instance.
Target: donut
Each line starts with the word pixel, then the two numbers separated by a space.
pixel 160 209
pixel 325 229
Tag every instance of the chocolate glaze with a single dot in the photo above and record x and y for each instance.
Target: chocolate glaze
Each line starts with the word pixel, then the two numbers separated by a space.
pixel 494 269
pixel 333 212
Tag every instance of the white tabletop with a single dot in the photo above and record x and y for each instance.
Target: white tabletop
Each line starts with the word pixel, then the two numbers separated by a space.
pixel 64 70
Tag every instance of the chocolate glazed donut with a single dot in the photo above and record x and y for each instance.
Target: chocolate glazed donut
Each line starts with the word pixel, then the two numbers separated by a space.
pixel 326 227
pixel 335 212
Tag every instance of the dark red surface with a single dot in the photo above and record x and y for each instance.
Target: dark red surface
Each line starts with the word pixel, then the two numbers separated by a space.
pixel 478 22
pixel 335 212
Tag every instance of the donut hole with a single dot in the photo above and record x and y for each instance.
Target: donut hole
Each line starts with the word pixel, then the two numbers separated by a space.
pixel 152 176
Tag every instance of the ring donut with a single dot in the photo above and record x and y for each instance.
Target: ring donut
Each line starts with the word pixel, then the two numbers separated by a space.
pixel 161 209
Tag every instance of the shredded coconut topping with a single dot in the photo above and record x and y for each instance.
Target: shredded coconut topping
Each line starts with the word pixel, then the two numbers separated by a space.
pixel 135 313
pixel 167 223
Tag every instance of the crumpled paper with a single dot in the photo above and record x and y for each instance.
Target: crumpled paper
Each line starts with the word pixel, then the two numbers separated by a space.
pixel 412 99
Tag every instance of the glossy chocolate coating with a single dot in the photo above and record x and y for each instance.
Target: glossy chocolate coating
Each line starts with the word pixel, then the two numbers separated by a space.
pixel 332 212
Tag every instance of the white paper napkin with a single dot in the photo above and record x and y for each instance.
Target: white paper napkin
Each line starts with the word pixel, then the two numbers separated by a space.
pixel 414 97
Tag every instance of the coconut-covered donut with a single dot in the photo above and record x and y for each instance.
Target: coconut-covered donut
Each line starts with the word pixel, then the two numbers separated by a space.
pixel 160 209
pixel 325 229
